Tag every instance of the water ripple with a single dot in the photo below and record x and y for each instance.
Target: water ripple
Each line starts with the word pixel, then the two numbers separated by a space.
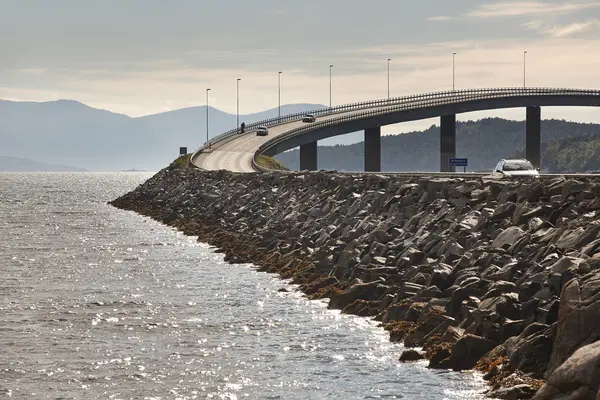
pixel 102 303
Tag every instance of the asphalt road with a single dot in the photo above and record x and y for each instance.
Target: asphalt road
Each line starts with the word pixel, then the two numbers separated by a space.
pixel 236 155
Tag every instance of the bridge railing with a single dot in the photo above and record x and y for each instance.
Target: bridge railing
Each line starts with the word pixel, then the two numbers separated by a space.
pixel 356 106
pixel 471 95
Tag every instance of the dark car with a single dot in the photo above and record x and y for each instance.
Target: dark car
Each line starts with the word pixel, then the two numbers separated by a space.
pixel 262 131
pixel 309 118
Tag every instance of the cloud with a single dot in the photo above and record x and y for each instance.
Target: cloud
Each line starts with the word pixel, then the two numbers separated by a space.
pixel 513 9
pixel 440 18
pixel 152 87
pixel 575 28
pixel 33 71
pixel 534 24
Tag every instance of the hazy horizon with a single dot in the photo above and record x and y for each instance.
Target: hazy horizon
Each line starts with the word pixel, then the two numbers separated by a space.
pixel 143 57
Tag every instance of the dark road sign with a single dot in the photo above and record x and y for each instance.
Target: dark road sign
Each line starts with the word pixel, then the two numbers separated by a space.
pixel 457 162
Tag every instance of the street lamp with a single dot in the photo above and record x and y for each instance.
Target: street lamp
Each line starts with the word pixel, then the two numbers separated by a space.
pixel 524 67
pixel 238 103
pixel 279 92
pixel 389 59
pixel 453 70
pixel 207 90
pixel 330 67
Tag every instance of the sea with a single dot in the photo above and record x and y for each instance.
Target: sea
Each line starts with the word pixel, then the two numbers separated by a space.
pixel 101 303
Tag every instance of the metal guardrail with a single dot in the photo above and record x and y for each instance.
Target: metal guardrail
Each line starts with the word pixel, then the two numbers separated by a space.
pixel 467 96
pixel 349 107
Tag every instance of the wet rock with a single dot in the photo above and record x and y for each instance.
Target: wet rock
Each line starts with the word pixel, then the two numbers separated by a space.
pixel 468 350
pixel 359 291
pixel 362 308
pixel 431 322
pixel 411 355
pixel 516 392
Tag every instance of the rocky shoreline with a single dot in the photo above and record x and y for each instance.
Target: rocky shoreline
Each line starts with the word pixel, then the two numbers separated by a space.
pixel 501 276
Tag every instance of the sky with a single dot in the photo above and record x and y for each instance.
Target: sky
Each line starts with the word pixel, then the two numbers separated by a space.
pixel 140 57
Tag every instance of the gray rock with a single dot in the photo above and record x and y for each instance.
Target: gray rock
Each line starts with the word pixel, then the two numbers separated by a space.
pixel 530 351
pixel 468 350
pixel 359 291
pixel 578 378
pixel 504 210
pixel 516 392
pixel 578 323
pixel 508 237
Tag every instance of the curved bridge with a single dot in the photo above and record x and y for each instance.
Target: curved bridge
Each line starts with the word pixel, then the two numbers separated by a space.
pixel 237 152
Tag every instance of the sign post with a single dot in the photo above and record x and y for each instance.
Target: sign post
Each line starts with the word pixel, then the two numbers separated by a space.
pixel 458 162
pixel 182 151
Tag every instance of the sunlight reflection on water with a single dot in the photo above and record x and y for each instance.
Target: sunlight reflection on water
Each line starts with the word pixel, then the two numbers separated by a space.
pixel 103 303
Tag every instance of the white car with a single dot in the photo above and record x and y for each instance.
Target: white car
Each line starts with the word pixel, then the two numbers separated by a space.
pixel 516 168
pixel 262 131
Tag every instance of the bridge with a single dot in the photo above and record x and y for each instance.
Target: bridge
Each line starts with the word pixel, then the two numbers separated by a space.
pixel 237 152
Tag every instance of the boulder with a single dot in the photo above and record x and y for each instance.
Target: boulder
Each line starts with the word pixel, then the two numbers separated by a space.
pixel 411 355
pixel 504 210
pixel 530 351
pixel 433 321
pixel 508 237
pixel 517 392
pixel 468 350
pixel 359 291
pixel 578 323
pixel 578 378
pixel 498 288
pixel 566 263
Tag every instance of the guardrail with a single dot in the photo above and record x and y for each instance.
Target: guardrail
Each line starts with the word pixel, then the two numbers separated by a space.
pixel 473 95
pixel 363 105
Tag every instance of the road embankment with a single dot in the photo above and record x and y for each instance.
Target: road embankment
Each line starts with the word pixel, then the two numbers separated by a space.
pixel 501 276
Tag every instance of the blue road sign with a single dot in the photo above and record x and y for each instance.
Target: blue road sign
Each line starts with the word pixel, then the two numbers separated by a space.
pixel 457 162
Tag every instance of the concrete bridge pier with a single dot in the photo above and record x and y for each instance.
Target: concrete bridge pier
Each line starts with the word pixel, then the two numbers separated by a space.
pixel 447 141
pixel 373 150
pixel 308 156
pixel 533 136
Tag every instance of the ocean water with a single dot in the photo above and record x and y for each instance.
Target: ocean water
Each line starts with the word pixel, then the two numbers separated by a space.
pixel 100 303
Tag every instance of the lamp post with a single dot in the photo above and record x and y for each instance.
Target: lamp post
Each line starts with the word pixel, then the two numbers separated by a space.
pixel 279 93
pixel 238 103
pixel 330 67
pixel 207 90
pixel 389 59
pixel 524 67
pixel 453 70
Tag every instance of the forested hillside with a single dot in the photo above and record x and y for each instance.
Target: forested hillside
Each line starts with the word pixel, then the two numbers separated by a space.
pixel 567 146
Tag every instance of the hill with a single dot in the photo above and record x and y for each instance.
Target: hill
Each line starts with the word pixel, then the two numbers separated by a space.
pixel 69 132
pixel 16 164
pixel 483 142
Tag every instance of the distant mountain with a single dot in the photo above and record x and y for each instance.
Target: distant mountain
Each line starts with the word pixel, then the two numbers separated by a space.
pixel 566 147
pixel 16 164
pixel 69 132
